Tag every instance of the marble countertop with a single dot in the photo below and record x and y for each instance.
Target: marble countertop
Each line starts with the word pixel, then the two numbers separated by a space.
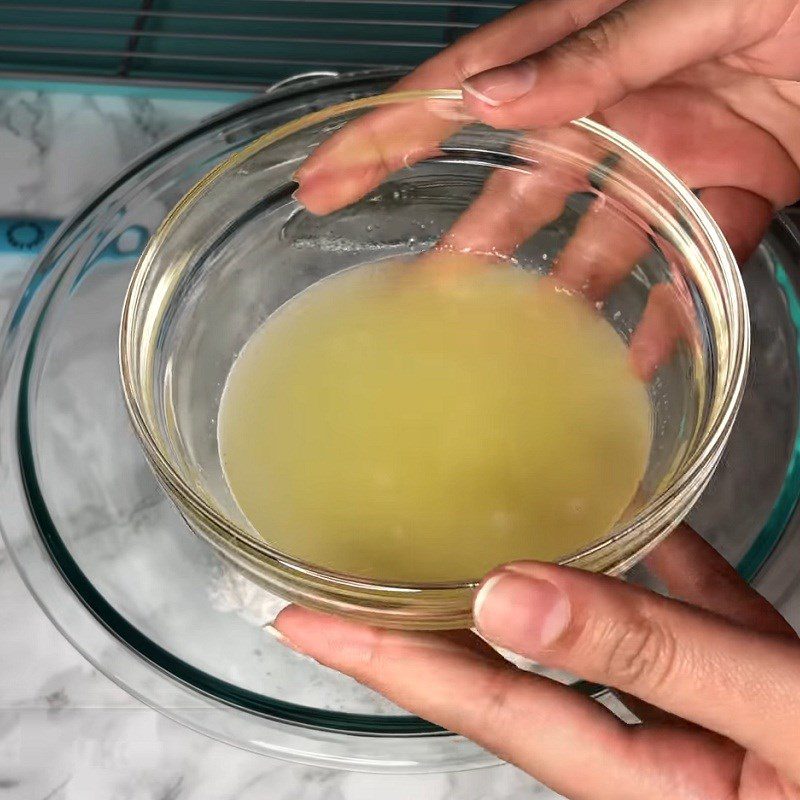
pixel 66 731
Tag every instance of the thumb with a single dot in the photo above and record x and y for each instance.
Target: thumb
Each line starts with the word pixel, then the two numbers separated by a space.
pixel 628 49
pixel 687 661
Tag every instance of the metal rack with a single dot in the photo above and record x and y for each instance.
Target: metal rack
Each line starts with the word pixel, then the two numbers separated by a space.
pixel 237 44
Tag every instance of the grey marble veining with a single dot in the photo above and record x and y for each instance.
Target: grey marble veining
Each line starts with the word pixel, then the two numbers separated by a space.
pixel 58 148
pixel 66 731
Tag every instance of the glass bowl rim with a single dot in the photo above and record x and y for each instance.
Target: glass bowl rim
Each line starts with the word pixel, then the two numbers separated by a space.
pixel 704 452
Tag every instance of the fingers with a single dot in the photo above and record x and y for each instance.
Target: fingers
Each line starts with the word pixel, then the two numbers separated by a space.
pixel 488 228
pixel 693 571
pixel 625 50
pixel 511 207
pixel 668 317
pixel 564 739
pixel 528 29
pixel 743 217
pixel 704 139
pixel 601 253
pixel 358 157
pixel 666 321
pixel 494 704
pixel 514 203
pixel 742 684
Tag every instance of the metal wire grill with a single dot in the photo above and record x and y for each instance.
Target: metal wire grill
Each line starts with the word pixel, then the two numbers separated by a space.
pixel 243 43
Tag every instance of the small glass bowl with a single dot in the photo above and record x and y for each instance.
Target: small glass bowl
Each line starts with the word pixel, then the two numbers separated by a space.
pixel 579 203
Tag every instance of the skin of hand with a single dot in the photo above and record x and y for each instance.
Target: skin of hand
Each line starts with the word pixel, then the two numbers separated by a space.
pixel 713 672
pixel 710 89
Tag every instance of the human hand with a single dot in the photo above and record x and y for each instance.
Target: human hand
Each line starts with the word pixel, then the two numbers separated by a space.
pixel 714 674
pixel 709 88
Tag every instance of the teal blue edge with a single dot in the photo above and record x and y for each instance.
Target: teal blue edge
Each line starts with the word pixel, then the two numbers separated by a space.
pixel 124 90
pixel 787 501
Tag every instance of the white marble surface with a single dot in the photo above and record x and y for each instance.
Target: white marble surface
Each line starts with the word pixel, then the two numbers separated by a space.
pixel 66 731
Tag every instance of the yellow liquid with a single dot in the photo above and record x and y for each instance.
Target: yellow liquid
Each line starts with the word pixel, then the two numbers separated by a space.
pixel 427 421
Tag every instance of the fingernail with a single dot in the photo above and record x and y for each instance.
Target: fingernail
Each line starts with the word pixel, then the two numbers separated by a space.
pixel 303 171
pixel 502 84
pixel 287 642
pixel 521 613
pixel 297 196
pixel 275 634
pixel 282 638
pixel 448 110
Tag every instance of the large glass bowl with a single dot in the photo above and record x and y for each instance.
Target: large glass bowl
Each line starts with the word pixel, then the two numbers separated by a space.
pixel 107 556
pixel 239 244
